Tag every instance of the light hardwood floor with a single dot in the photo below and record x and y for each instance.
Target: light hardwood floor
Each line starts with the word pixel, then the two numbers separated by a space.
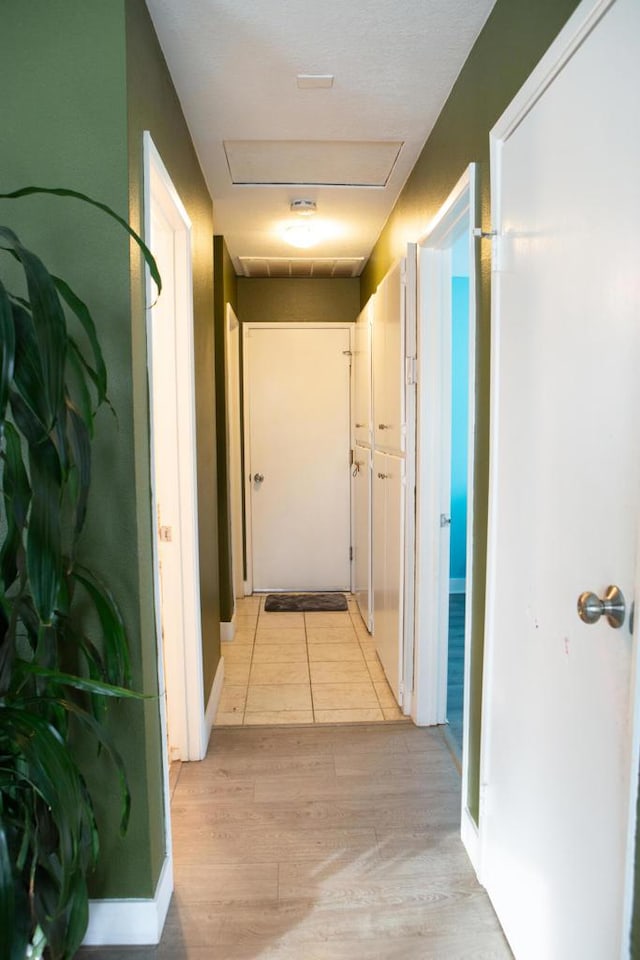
pixel 322 843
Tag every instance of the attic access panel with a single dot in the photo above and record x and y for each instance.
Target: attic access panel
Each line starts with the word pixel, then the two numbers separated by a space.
pixel 335 163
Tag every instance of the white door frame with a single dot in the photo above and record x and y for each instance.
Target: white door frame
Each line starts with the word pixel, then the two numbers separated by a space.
pixel 234 446
pixel 246 388
pixel 186 710
pixel 577 28
pixel 433 465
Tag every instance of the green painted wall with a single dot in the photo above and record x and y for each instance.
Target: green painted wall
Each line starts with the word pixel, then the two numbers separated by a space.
pixel 512 41
pixel 82 78
pixel 318 301
pixel 65 123
pixel 225 291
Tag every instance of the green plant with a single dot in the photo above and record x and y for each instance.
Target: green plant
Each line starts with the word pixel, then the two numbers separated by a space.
pixel 58 665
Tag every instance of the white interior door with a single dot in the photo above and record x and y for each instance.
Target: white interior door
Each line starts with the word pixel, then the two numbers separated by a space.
pixel 173 463
pixel 234 446
pixel 362 426
pixel 559 763
pixel 388 565
pixel 298 383
pixel 362 531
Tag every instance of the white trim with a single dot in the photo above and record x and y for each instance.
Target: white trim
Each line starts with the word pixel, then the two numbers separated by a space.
pixel 228 629
pixel 471 839
pixel 214 696
pixel 433 438
pixel 234 446
pixel 246 383
pixel 115 923
pixel 457 585
pixel 190 735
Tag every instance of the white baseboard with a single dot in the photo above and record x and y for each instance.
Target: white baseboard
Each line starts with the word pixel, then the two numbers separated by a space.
pixel 471 840
pixel 114 923
pixel 214 697
pixel 457 585
pixel 228 629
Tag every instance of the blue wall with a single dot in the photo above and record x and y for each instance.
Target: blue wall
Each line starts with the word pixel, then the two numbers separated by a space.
pixel 459 420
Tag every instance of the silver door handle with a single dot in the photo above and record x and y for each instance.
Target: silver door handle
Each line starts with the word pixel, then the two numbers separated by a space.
pixel 591 607
pixel 258 477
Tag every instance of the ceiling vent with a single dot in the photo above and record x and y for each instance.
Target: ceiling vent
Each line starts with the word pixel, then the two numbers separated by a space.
pixel 321 268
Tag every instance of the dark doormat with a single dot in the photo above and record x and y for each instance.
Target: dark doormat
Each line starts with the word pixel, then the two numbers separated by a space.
pixel 299 602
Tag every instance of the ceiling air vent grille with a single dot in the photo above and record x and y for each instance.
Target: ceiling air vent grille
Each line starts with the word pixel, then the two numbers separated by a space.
pixel 301 267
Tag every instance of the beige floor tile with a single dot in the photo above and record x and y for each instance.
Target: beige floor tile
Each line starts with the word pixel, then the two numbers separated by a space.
pixel 246 621
pixel 339 671
pixel 385 696
pixel 280 653
pixel 328 619
pixel 236 652
pixel 248 605
pixel 369 651
pixel 375 670
pixel 280 635
pixel 279 717
pixel 233 698
pixel 342 696
pixel 265 698
pixel 393 713
pixel 229 719
pixel 279 673
pixel 331 634
pixel 335 651
pixel 286 620
pixel 244 635
pixel 236 673
pixel 364 715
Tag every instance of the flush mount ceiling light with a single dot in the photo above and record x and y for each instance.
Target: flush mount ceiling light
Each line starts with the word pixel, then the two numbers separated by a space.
pixel 302 234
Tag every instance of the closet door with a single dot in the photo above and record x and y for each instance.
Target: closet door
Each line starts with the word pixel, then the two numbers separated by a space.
pixel 388 565
pixel 362 532
pixel 389 362
pixel 362 425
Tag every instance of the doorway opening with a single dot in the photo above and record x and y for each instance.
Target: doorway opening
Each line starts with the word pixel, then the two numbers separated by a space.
pixel 445 465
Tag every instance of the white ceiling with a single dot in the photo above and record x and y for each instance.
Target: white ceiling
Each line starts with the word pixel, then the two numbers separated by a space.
pixel 234 64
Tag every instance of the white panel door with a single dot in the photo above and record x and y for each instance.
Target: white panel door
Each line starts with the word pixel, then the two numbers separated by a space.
pixel 299 428
pixel 362 531
pixel 388 565
pixel 389 362
pixel 559 751
pixel 362 426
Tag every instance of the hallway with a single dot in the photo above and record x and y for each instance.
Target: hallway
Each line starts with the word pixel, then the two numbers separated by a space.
pixel 322 843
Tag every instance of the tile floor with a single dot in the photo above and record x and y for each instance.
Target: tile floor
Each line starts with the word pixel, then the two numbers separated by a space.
pixel 291 668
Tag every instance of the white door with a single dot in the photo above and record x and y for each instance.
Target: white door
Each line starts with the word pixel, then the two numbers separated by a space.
pixel 559 764
pixel 362 531
pixel 234 446
pixel 388 565
pixel 298 382
pixel 389 361
pixel 173 463
pixel 362 427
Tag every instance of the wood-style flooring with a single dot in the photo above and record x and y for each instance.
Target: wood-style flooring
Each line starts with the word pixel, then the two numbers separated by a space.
pixel 322 843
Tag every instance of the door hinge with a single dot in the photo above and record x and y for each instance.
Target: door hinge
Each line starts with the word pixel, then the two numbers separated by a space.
pixel 350 554
pixel 411 370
